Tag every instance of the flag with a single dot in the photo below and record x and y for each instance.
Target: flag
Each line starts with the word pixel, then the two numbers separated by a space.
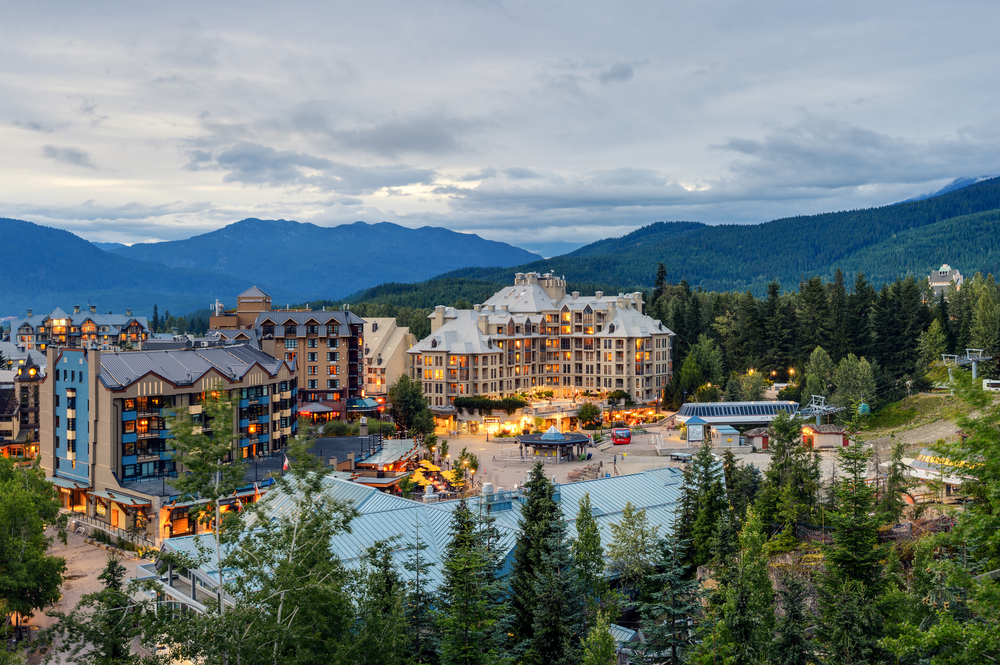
pixel 256 493
pixel 284 467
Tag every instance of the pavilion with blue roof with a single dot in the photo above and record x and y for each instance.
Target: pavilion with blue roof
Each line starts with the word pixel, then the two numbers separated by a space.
pixel 553 443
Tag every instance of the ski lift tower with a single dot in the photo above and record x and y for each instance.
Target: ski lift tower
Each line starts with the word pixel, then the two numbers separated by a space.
pixel 972 357
pixel 818 407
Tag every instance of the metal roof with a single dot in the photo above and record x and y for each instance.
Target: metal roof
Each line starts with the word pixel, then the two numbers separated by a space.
pixel 386 517
pixel 253 292
pixel 183 366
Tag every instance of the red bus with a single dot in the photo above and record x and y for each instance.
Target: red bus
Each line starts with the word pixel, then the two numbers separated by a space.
pixel 621 437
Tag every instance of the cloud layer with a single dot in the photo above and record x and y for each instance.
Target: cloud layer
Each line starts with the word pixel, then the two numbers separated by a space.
pixel 547 126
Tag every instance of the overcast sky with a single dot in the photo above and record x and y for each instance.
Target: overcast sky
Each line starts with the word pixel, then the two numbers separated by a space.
pixel 543 124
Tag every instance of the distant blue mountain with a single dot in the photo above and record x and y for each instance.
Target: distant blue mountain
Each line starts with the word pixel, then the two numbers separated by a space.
pixel 957 183
pixel 107 246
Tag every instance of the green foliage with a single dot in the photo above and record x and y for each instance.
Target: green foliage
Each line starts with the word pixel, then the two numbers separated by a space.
pixel 486 405
pixel 747 615
pixel 600 647
pixel 790 645
pixel 855 381
pixel 537 517
pixel 674 602
pixel 588 413
pixel 702 501
pixel 100 629
pixel 30 578
pixel 468 608
pixel 632 550
pixel 408 406
pixel 793 467
pixel 933 343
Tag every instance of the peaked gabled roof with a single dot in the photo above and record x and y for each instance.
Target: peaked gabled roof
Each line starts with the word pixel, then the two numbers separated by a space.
pixel 253 292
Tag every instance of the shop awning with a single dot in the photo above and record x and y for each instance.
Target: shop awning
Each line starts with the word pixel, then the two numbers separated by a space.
pixel 314 407
pixel 362 404
pixel 123 499
pixel 69 484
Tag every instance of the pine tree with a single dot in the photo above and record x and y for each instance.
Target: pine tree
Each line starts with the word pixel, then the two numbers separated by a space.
pixel 537 517
pixel 839 317
pixel 710 502
pixel 790 646
pixel 854 582
pixel 859 307
pixel 588 559
pixel 748 612
pixel 667 619
pixel 419 607
pixel 559 609
pixel 661 282
pixel 632 550
pixel 155 321
pixel 813 317
pixel 467 611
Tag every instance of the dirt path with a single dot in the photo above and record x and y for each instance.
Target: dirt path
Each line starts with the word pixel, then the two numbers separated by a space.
pixel 84 563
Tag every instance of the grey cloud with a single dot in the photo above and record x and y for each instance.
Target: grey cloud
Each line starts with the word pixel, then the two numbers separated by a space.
pixel 429 134
pixel 518 173
pixel 488 172
pixel 826 153
pixel 255 164
pixel 38 126
pixel 73 156
pixel 620 72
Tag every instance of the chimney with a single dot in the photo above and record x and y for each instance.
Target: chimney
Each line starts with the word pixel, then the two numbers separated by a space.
pixel 437 319
pixel 483 321
pixel 532 278
pixel 128 311
pixel 637 299
pixel 29 314
pixel 477 307
pixel 519 279
pixel 93 309
pixel 576 294
pixel 599 294
pixel 76 309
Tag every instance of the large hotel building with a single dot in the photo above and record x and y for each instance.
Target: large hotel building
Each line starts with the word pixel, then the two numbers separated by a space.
pixel 533 335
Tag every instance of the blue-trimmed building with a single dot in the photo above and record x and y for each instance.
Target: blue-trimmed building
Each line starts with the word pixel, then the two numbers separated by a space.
pixel 103 433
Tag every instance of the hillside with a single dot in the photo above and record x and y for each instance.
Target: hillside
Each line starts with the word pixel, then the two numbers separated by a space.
pixel 316 261
pixel 885 242
pixel 48 267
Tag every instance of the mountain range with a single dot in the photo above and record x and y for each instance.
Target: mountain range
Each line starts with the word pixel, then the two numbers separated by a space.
pixel 297 262
pixel 290 260
pixel 959 227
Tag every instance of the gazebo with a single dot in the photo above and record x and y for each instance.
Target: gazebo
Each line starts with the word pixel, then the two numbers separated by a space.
pixel 316 412
pixel 554 443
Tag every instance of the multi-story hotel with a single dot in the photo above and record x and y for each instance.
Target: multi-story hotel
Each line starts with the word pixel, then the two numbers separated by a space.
pixel 326 346
pixel 19 409
pixel 386 345
pixel 80 330
pixel 103 432
pixel 534 335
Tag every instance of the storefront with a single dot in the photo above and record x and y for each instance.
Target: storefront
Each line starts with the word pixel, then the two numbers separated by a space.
pixel 72 493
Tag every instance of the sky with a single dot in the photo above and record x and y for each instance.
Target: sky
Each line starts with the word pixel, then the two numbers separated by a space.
pixel 546 125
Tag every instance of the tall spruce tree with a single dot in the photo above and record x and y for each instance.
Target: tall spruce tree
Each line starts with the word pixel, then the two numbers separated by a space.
pixel 748 612
pixel 859 307
pixel 813 318
pixel 419 606
pixel 559 609
pixel 667 618
pixel 840 339
pixel 467 611
pixel 588 561
pixel 854 582
pixel 535 536
pixel 790 646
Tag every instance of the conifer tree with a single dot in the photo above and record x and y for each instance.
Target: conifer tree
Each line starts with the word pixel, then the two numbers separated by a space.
pixel 859 307
pixel 667 619
pixel 748 612
pixel 709 501
pixel 467 597
pixel 100 629
pixel 418 611
pixel 840 337
pixel 559 609
pixel 537 516
pixel 790 646
pixel 588 560
pixel 854 581
pixel 813 317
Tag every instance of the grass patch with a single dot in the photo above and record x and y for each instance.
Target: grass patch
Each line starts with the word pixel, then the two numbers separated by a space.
pixel 893 415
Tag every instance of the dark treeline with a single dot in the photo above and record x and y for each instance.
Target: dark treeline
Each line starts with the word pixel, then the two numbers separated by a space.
pixel 892 334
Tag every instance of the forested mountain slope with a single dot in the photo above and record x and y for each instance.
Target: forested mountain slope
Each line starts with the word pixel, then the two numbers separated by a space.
pixel 48 268
pixel 328 262
pixel 738 257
